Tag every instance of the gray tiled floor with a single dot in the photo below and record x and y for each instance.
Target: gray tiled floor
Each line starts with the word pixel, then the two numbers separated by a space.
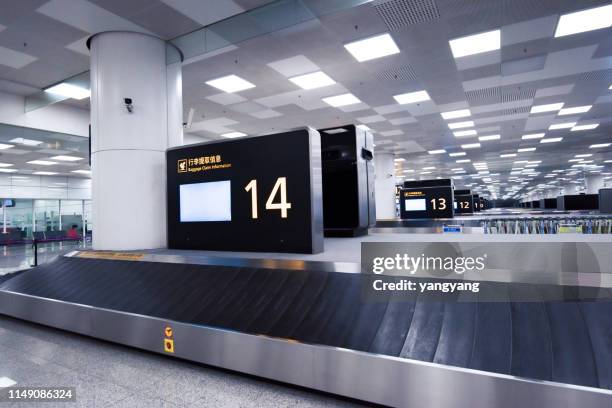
pixel 109 375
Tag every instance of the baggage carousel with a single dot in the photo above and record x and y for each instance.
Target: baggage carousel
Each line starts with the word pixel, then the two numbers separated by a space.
pixel 307 324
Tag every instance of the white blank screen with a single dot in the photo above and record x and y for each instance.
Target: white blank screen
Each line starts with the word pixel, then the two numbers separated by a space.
pixel 206 201
pixel 415 204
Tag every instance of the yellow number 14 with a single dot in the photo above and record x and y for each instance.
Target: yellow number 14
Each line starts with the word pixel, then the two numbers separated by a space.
pixel 279 188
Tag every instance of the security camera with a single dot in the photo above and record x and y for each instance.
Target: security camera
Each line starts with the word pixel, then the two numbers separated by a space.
pixel 128 104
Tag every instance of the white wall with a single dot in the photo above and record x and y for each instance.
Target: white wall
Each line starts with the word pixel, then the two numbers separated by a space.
pixel 45 187
pixel 55 118
pixel 189 138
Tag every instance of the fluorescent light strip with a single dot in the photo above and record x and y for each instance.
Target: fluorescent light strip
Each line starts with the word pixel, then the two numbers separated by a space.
pixel 461 113
pixel 491 137
pixel 457 154
pixel 584 155
pixel 459 125
pixel 69 91
pixel 66 158
pixel 565 125
pixel 341 100
pixel 575 110
pixel 463 161
pixel 551 140
pixel 5 146
pixel 232 135
pixel 26 142
pixel 599 145
pixel 526 149
pixel 44 173
pixel 533 136
pixel 475 44
pixel 464 133
pixel 411 97
pixel 584 127
pixel 440 151
pixel 82 171
pixel 470 146
pixel 8 170
pixel 372 48
pixel 508 155
pixel 585 20
pixel 546 108
pixel 6 164
pixel 230 84
pixel 42 162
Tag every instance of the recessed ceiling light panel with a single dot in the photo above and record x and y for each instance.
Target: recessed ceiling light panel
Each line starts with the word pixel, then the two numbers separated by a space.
pixel 69 91
pixel 372 48
pixel 456 114
pixel 551 107
pixel 533 136
pixel 551 140
pixel 341 100
pixel 464 133
pixel 412 97
pixel 584 127
pixel 66 158
pixel 575 110
pixel 459 125
pixel 313 80
pixel 42 162
pixel 230 83
pixel 490 137
pixel 232 135
pixel 585 20
pixel 26 142
pixel 476 44
pixel 566 125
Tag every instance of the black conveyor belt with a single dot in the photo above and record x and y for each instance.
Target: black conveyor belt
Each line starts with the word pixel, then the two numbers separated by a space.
pixel 568 342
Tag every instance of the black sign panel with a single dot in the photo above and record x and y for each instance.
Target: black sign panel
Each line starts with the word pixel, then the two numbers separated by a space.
pixel 427 202
pixel 464 204
pixel 251 194
pixel 476 201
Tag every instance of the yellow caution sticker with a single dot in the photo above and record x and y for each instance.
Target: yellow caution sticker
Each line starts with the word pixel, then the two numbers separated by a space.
pixel 119 256
pixel 169 345
pixel 168 331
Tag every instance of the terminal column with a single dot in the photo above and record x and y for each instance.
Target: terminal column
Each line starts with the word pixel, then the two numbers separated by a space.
pixel 128 143
pixel 384 187
pixel 594 183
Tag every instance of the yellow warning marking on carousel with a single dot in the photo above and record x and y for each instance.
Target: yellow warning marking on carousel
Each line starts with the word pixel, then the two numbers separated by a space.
pixel 169 345
pixel 168 331
pixel 121 256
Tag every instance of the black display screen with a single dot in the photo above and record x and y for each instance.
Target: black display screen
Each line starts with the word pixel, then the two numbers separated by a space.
pixel 465 204
pixel 426 202
pixel 250 194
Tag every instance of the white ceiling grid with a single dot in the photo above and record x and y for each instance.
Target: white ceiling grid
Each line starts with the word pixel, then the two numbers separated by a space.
pixel 499 87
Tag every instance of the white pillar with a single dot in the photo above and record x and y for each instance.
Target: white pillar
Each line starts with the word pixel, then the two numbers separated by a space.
pixel 594 183
pixel 384 186
pixel 128 149
pixel 569 189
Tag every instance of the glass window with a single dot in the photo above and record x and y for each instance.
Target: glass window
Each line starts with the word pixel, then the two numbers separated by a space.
pixel 46 214
pixel 72 214
pixel 19 217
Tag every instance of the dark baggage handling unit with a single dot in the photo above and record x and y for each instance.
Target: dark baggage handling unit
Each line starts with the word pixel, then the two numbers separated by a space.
pixel 578 202
pixel 348 181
